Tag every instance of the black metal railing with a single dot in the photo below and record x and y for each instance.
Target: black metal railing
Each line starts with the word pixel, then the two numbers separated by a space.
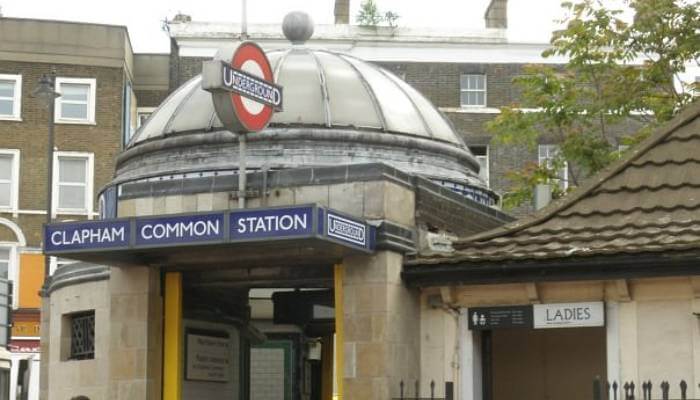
pixel 629 390
pixel 404 391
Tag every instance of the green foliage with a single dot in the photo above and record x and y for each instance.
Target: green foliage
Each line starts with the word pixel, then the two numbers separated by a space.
pixel 369 15
pixel 602 84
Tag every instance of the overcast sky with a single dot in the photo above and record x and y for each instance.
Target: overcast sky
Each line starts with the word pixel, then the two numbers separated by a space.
pixel 529 20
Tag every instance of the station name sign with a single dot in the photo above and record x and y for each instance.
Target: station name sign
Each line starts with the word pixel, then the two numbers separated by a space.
pixel 297 222
pixel 538 316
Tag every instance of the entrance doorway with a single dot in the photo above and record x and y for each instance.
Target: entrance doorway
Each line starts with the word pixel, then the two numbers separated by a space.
pixel 542 364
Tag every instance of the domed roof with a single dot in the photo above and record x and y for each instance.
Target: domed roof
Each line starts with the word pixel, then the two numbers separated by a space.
pixel 338 110
pixel 321 89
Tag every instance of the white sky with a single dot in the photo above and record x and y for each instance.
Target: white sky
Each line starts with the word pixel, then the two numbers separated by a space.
pixel 529 20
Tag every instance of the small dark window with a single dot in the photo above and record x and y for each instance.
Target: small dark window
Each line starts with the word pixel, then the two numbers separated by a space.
pixel 82 336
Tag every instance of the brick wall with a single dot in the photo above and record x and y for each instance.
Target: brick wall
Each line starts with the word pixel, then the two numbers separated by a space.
pixel 150 98
pixel 30 135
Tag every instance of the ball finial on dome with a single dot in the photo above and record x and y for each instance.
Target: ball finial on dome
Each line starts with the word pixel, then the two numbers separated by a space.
pixel 298 27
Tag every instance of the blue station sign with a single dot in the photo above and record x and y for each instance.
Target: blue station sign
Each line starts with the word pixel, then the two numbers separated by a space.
pixel 87 235
pixel 236 226
pixel 258 224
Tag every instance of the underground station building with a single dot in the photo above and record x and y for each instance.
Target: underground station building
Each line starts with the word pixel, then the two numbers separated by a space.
pixel 352 264
pixel 181 294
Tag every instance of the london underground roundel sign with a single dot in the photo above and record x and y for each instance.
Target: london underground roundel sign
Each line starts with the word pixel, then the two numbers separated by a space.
pixel 244 93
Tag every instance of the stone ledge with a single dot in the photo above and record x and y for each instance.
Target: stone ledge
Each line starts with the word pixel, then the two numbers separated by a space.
pixel 73 274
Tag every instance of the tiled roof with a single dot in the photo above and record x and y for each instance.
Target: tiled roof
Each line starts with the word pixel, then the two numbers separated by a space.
pixel 647 202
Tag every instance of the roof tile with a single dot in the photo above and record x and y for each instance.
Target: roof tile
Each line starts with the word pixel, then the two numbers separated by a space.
pixel 647 202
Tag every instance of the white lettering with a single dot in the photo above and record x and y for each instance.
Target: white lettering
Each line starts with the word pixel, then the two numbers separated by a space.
pixel 118 232
pixel 143 232
pixel 271 223
pixel 286 222
pixel 88 236
pixel 53 238
pixel 180 229
pixel 200 228
pixel 213 227
pixel 300 221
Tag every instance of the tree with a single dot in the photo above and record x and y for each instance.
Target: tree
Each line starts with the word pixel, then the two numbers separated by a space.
pixel 616 71
pixel 369 15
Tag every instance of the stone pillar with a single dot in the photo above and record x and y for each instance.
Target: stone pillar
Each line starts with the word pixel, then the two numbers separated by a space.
pixel 135 345
pixel 612 341
pixel 470 382
pixel 44 331
pixel 382 328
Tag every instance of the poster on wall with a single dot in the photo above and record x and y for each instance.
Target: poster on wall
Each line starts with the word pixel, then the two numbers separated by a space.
pixel 207 356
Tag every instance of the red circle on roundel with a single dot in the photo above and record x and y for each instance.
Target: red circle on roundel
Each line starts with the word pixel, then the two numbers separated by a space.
pixel 250 58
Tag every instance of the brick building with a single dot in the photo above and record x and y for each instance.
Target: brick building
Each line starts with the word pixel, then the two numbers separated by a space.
pixel 94 73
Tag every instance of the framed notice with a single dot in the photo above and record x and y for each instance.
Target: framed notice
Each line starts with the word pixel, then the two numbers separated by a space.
pixel 207 356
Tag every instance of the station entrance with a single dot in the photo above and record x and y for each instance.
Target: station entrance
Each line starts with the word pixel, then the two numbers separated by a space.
pixel 537 364
pixel 244 339
pixel 540 351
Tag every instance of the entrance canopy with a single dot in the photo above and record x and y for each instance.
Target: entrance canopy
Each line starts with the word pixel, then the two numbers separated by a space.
pixel 303 234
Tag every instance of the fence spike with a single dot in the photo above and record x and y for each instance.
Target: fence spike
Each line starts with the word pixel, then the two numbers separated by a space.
pixel 597 389
pixel 664 390
pixel 401 389
pixel 615 386
pixel 417 389
pixel 432 389
pixel 684 389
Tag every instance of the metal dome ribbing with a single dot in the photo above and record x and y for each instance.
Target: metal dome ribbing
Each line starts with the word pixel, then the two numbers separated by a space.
pixel 338 109
pixel 322 89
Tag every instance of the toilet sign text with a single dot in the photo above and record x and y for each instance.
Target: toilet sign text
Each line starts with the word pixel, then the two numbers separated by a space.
pixel 568 315
pixel 538 316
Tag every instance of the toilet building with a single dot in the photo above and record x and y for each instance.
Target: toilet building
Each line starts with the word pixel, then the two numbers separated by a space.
pixel 183 294
pixel 601 284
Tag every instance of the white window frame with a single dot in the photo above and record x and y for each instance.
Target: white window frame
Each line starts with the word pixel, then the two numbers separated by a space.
pixel 89 187
pixel 14 182
pixel 16 99
pixel 13 270
pixel 55 263
pixel 90 120
pixel 143 110
pixel 486 173
pixel 564 172
pixel 468 90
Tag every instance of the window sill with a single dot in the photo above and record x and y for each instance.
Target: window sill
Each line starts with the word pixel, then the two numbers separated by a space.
pixel 72 212
pixel 71 122
pixel 472 109
pixel 10 118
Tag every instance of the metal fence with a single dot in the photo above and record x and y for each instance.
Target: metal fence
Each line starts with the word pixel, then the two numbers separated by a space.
pixel 629 390
pixel 405 391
